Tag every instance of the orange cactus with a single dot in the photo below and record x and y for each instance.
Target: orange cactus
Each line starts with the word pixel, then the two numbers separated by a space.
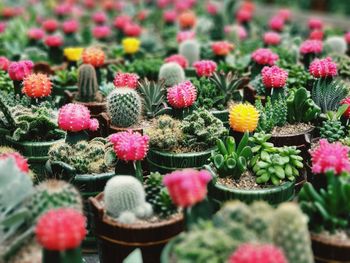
pixel 94 56
pixel 187 19
pixel 244 117
pixel 37 86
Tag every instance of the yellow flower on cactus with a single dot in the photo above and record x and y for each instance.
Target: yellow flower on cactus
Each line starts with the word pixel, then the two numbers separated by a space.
pixel 131 45
pixel 73 53
pixel 244 117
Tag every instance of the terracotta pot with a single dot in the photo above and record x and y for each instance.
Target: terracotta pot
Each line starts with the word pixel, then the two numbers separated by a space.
pixel 332 251
pixel 116 240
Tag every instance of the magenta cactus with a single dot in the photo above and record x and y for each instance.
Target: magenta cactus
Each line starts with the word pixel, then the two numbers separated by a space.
pixel 311 47
pixel 179 59
pixel 126 80
pixel 264 56
pixel 323 68
pixel 130 146
pixel 272 38
pixel 274 77
pixel 70 26
pixel 185 35
pixel 21 69
pixel 4 63
pixel 101 32
pixel 315 23
pixel 262 253
pixel 182 95
pixel 75 117
pixel 276 23
pixel 205 68
pixel 99 17
pixel 36 33
pixel 347 37
pixel 330 157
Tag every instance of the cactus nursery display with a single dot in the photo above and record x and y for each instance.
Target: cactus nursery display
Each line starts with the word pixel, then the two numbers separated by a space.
pixel 174 131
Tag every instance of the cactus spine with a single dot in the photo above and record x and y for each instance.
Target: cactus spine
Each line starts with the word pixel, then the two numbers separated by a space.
pixel 190 49
pixel 124 107
pixel 87 83
pixel 171 73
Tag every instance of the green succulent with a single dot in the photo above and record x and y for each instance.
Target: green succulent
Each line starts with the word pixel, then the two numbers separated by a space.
pixel 332 129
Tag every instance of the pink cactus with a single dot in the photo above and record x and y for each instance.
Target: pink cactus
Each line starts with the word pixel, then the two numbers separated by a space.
pixel 274 77
pixel 61 229
pixel 222 48
pixel 130 146
pixel 253 253
pixel 4 63
pixel 182 95
pixel 63 9
pixel 205 68
pixel 70 26
pixel 132 30
pixel 99 17
pixel 311 46
pixel 330 156
pixel 347 37
pixel 315 23
pixel 21 162
pixel 50 25
pixel 244 15
pixel 347 102
pixel 36 33
pixel 272 38
pixel 121 21
pixel 169 16
pixel 238 30
pixel 75 117
pixel 163 3
pixel 3 26
pixel 185 35
pixel 21 69
pixel 187 187
pixel 316 35
pixel 285 13
pixel 264 56
pixel 179 59
pixel 101 32
pixel 129 80
pixel 212 8
pixel 54 41
pixel 323 68
pixel 276 23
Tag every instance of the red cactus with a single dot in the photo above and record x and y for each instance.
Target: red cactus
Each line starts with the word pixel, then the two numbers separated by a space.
pixel 76 117
pixel 272 38
pixel 205 68
pixel 50 25
pixel 330 156
pixel 179 59
pixel 129 80
pixel 285 13
pixel 264 56
pixel 187 187
pixel 94 56
pixel 315 23
pixel 244 15
pixel 99 17
pixel 222 48
pixel 276 23
pixel 54 41
pixel 61 229
pixel 100 32
pixel 185 35
pixel 36 33
pixel 347 37
pixel 70 26
pixel 132 30
pixel 21 69
pixel 37 86
pixel 311 46
pixel 274 77
pixel 4 63
pixel 316 35
pixel 347 112
pixel 130 146
pixel 121 21
pixel 182 95
pixel 323 68
pixel 169 16
pixel 253 253
pixel 21 162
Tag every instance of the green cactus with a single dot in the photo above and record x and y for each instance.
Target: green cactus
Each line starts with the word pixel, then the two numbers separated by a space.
pixel 87 83
pixel 124 198
pixel 157 195
pixel 52 194
pixel 171 73
pixel 190 49
pixel 6 84
pixel 343 64
pixel 290 232
pixel 335 44
pixel 124 106
pixel 332 129
pixel 202 129
pixel 229 160
pixel 280 111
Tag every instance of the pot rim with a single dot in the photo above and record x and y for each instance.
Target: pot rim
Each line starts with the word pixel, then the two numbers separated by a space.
pixel 190 154
pixel 323 239
pixel 312 128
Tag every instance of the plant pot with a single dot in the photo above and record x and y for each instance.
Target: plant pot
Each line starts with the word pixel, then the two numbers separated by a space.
pixel 36 153
pixel 165 162
pixel 116 240
pixel 327 250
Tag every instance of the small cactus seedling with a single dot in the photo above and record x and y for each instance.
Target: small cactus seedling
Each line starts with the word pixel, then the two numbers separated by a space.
pixel 171 73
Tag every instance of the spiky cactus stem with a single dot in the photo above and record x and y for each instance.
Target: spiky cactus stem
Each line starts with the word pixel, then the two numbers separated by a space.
pixel 66 256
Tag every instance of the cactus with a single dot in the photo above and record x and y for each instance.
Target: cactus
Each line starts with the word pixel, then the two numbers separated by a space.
pixel 182 95
pixel 202 129
pixel 126 80
pixel 243 117
pixel 290 232
pixel 124 107
pixel 37 86
pixel 190 49
pixel 335 44
pixel 94 56
pixel 323 68
pixel 6 83
pixel 124 199
pixel 229 160
pixel 171 73
pixel 21 162
pixel 87 83
pixel 52 194
pixel 332 129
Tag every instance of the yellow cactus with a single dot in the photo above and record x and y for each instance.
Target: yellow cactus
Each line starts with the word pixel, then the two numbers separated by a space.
pixel 73 53
pixel 244 117
pixel 131 45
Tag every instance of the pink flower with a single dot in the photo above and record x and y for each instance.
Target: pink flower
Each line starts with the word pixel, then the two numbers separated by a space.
pixel 121 21
pixel 132 30
pixel 311 46
pixel 253 253
pixel 315 23
pixel 21 69
pixel 274 77
pixel 4 63
pixel 276 23
pixel 36 33
pixel 63 9
pixel 347 37
pixel 187 187
pixel 205 68
pixel 323 68
pixel 2 27
pixel 61 229
pixel 21 162
pixel 100 32
pixel 330 157
pixel 221 48
pixel 129 80
pixel 272 38
pixel 316 35
pixel 70 26
pixel 244 15
pixel 179 59
pixel 169 16
pixel 182 95
pixel 264 56
pixel 50 25
pixel 212 8
pixel 53 41
pixel 99 17
pixel 285 13
pixel 347 102
pixel 185 35
pixel 130 146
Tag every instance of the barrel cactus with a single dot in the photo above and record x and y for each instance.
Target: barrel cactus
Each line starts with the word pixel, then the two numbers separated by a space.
pixel 190 49
pixel 171 73
pixel 37 86
pixel 335 44
pixel 87 83
pixel 182 95
pixel 94 56
pixel 244 117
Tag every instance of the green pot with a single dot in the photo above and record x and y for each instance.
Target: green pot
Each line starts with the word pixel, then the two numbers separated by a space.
pixel 36 153
pixel 165 162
